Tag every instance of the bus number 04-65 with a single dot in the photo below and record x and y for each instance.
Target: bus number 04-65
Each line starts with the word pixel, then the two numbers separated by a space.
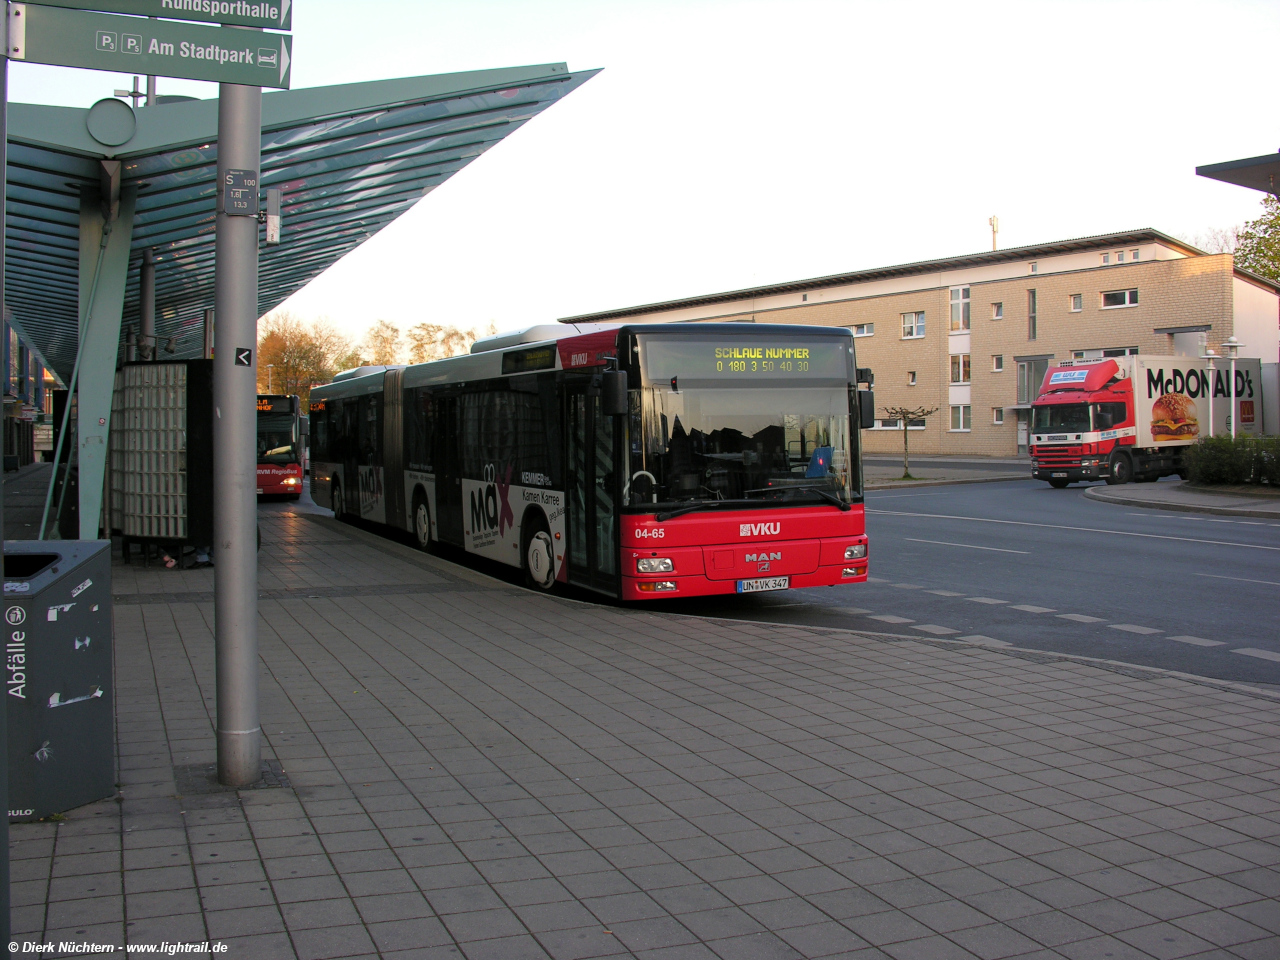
pixel 656 533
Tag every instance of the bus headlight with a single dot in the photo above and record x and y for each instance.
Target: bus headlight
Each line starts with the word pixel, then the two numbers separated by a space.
pixel 652 586
pixel 855 552
pixel 654 565
pixel 290 481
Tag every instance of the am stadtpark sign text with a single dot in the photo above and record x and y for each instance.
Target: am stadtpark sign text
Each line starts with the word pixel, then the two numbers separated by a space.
pixel 163 48
pixel 270 14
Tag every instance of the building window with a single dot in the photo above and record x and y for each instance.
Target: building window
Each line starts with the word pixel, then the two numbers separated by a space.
pixel 959 309
pixel 864 329
pixel 997 415
pixel 960 368
pixel 1035 268
pixel 804 297
pixel 1106 258
pixel 913 325
pixel 961 417
pixel 1030 376
pixel 997 363
pixel 997 311
pixel 1119 256
pixel 1077 302
pixel 1031 314
pixel 911 378
pixel 892 424
pixel 1133 255
pixel 1119 298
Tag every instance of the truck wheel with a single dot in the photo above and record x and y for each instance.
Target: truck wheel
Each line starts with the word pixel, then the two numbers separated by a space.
pixel 1121 469
pixel 538 555
pixel 1059 484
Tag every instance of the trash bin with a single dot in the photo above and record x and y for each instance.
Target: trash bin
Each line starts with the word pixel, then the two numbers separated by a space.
pixel 58 675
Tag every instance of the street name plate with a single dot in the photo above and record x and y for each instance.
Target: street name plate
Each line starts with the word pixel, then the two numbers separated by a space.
pixel 272 15
pixel 240 193
pixel 163 48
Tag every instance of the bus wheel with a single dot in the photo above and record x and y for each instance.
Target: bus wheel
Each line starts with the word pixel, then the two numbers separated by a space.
pixel 422 522
pixel 335 492
pixel 1121 469
pixel 539 557
pixel 1058 483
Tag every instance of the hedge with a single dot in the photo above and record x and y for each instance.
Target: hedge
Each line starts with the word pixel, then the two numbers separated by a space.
pixel 1221 460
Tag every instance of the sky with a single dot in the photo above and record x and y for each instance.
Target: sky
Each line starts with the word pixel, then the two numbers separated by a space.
pixel 730 144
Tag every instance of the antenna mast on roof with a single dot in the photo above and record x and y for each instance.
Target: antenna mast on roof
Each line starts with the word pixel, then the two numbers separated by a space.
pixel 995 228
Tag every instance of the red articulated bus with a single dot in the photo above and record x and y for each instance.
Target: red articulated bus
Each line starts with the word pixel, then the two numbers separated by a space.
pixel 280 445
pixel 639 461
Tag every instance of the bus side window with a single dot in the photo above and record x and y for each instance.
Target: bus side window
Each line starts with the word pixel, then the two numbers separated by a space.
pixel 419 420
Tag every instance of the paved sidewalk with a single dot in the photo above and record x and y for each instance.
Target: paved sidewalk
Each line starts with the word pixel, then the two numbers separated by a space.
pixel 474 771
pixel 1259 502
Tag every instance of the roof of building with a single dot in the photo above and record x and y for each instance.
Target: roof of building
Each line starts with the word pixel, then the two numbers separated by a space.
pixel 985 258
pixel 348 158
pixel 1257 173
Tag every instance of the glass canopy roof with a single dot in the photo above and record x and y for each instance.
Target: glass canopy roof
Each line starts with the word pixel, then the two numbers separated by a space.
pixel 349 159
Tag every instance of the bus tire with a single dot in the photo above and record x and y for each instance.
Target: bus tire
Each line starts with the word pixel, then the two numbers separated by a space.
pixel 1058 483
pixel 537 553
pixel 1121 469
pixel 335 497
pixel 422 521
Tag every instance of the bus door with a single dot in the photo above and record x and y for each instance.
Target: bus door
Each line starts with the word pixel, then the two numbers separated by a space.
pixel 591 479
pixel 448 464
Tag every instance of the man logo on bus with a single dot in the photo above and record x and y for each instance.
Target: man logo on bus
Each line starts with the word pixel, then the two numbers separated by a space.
pixel 492 507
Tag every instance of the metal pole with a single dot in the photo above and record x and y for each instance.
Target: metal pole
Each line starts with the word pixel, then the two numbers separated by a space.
pixel 4 714
pixel 234 437
pixel 151 89
pixel 1233 395
pixel 147 305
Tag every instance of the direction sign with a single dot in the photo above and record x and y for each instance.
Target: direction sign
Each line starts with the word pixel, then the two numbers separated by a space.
pixel 272 14
pixel 163 48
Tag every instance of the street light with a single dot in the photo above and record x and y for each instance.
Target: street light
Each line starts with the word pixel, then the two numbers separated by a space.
pixel 1233 348
pixel 1209 357
pixel 269 368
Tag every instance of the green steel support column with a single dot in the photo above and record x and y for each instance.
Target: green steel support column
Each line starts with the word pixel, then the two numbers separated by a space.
pixel 104 270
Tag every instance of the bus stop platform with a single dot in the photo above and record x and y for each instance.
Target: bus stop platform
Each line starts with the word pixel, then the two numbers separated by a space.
pixel 457 768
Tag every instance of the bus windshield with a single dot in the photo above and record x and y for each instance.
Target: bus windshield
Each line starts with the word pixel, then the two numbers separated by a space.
pixel 277 438
pixel 769 443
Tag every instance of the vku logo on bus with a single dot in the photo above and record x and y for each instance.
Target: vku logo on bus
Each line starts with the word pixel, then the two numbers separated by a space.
pixel 492 507
pixel 759 529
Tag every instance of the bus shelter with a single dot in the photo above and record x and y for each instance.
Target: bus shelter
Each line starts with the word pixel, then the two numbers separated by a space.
pixel 111 212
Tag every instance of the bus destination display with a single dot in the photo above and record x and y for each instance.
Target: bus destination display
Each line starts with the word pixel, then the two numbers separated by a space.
pixel 710 360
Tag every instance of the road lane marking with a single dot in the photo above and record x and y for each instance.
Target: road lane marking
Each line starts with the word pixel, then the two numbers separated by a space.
pixel 971 546
pixel 907 586
pixel 1198 641
pixel 1218 576
pixel 987 600
pixel 1260 654
pixel 934 629
pixel 890 618
pixel 986 641
pixel 1079 618
pixel 856 611
pixel 1062 526
pixel 898 496
pixel 944 593
pixel 876 580
pixel 1134 628
pixel 1031 608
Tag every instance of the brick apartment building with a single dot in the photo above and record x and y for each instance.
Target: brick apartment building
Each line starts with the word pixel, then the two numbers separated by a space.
pixel 973 335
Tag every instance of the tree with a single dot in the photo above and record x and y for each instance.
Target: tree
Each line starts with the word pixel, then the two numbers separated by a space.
pixel 905 415
pixel 299 356
pixel 1258 247
pixel 383 343
pixel 434 341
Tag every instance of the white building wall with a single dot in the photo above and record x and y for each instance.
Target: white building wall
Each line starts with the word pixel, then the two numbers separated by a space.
pixel 1256 318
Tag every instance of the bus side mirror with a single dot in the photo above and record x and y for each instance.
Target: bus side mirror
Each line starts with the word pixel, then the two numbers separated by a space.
pixel 867 408
pixel 613 393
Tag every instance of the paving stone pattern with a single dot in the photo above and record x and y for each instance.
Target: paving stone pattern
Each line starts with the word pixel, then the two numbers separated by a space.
pixel 479 772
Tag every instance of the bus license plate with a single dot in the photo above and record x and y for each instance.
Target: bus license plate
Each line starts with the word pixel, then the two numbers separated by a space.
pixel 1057 474
pixel 768 583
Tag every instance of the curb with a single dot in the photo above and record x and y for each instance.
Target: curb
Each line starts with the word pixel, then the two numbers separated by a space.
pixel 903 484
pixel 1182 507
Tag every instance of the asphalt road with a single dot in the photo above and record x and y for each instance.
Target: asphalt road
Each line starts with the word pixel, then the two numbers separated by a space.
pixel 1019 563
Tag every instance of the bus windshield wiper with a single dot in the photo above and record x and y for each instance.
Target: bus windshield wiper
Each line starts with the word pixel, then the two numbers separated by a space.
pixel 807 488
pixel 701 505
